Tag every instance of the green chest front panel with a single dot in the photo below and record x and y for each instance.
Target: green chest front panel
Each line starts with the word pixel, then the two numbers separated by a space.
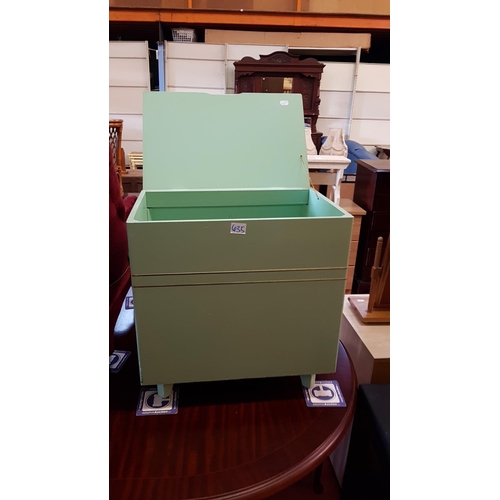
pixel 236 281
pixel 236 330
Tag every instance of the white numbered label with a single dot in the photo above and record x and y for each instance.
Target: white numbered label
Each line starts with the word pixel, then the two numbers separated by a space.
pixel 238 228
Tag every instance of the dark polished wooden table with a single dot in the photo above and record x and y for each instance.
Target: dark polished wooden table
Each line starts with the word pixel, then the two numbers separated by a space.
pixel 243 439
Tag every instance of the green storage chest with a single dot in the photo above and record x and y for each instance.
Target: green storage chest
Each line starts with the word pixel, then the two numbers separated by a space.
pixel 238 266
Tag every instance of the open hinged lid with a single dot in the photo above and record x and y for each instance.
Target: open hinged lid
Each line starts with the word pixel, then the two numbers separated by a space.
pixel 229 141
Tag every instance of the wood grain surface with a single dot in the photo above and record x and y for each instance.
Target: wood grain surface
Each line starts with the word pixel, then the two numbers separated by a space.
pixel 239 439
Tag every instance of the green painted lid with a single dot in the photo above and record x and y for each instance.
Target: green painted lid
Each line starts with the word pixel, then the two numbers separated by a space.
pixel 229 141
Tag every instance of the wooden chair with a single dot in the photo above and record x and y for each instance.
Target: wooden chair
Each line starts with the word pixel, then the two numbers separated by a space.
pixel 115 141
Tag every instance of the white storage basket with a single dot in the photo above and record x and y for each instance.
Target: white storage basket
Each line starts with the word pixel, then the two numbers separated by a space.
pixel 183 35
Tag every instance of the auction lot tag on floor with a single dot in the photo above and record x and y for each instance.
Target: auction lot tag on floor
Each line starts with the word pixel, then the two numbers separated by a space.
pixel 151 403
pixel 129 302
pixel 324 393
pixel 117 359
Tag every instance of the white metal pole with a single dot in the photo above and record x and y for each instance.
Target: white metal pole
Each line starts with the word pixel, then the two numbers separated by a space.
pixel 354 85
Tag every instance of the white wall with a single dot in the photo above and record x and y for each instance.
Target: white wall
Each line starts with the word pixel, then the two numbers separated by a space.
pixel 128 79
pixel 194 67
pixel 371 110
pixel 198 67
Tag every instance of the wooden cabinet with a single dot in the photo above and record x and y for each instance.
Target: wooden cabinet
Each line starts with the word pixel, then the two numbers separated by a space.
pixel 357 212
pixel 281 72
pixel 371 193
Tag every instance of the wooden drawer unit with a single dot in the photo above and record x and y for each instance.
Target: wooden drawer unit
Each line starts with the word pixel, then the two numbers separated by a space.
pixel 357 212
pixel 371 193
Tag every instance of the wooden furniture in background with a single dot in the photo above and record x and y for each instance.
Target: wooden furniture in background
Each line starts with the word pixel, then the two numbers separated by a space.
pixel 132 182
pixel 281 72
pixel 379 290
pixel 115 140
pixel 136 159
pixel 237 439
pixel 384 152
pixel 367 344
pixel 358 213
pixel 372 193
pixel 347 189
pixel 377 309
